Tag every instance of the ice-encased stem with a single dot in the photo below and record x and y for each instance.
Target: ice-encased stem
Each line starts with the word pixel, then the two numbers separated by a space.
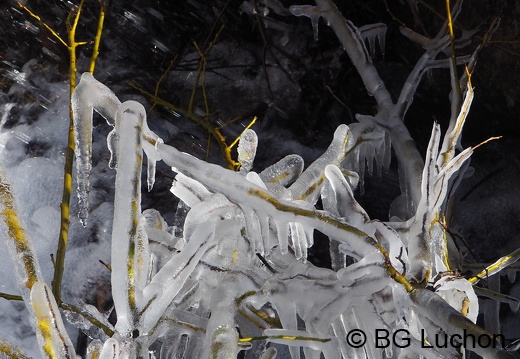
pixel 52 337
pixel 307 186
pixel 247 150
pixel 39 300
pixel 11 351
pixel 129 245
pixel 221 334
pixel 175 272
pixel 433 307
pixel 18 243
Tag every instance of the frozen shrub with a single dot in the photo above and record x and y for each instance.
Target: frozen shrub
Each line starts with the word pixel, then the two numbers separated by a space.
pixel 236 276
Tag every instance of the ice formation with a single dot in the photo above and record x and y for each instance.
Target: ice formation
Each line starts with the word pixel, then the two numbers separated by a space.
pixel 235 277
pixel 241 260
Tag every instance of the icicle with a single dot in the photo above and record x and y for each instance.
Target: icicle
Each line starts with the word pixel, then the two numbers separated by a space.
pixel 282 229
pixel 299 240
pixel 253 230
pixel 94 349
pixel 312 12
pixel 89 95
pixel 514 303
pixel 52 336
pixel 269 353
pixel 511 274
pixel 371 33
pixel 247 150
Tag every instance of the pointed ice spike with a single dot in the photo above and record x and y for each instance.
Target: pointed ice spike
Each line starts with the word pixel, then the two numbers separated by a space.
pixel 312 12
pixel 150 141
pixel 282 230
pixel 371 33
pixel 88 95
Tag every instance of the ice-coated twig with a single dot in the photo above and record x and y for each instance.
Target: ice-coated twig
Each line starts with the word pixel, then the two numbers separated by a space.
pixel 128 236
pixel 173 275
pixel 496 267
pixel 11 351
pixel 307 186
pixel 247 150
pixel 53 339
pixel 110 350
pixel 19 245
pixel 222 335
pixel 453 134
pixel 52 336
pixel 240 191
pixel 214 274
pixel 432 306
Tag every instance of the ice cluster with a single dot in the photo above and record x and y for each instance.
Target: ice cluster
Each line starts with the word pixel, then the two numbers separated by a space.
pixel 232 275
pixel 237 278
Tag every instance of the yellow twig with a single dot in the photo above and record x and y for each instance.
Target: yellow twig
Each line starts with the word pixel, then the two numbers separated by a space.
pixel 284 337
pixel 54 33
pixel 10 296
pixel 97 39
pixel 497 266
pixel 455 78
pixel 215 133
